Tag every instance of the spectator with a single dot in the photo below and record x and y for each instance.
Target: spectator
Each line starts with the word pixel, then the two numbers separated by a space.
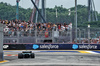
pixel 6 29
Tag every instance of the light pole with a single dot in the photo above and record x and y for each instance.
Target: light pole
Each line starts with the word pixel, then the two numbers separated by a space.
pixel 56 15
pixel 43 10
pixel 36 23
pixel 88 33
pixel 76 19
pixel 17 10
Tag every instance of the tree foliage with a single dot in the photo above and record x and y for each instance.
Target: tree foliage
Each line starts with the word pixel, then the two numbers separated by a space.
pixel 8 12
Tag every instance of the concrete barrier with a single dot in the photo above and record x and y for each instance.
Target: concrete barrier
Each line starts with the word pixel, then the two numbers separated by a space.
pixel 1 42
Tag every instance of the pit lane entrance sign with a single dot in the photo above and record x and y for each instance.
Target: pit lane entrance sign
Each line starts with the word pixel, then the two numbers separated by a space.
pixel 1 42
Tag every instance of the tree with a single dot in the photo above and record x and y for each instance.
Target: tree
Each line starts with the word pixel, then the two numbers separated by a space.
pixel 8 12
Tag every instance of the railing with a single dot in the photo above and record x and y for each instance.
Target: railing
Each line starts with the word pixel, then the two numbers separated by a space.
pixel 33 36
pixel 14 36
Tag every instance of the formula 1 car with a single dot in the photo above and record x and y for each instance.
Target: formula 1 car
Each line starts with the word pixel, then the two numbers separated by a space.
pixel 26 54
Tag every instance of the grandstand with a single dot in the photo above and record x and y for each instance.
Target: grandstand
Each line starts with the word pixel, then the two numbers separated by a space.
pixel 20 31
pixel 17 31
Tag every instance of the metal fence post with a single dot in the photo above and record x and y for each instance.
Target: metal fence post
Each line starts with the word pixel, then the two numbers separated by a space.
pixel 18 36
pixel 88 33
pixel 53 36
pixel 79 35
pixel 76 19
pixel 1 42
pixel 71 35
pixel 84 32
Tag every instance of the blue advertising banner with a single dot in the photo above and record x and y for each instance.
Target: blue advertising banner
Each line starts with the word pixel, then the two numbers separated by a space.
pixel 51 46
pixel 63 46
pixel 14 47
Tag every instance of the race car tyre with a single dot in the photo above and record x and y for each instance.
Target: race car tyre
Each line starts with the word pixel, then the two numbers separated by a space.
pixel 20 55
pixel 26 56
pixel 32 55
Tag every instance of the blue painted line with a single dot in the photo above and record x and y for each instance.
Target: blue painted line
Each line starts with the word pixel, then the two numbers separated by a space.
pixel 44 51
pixel 52 51
pixel 97 51
pixel 19 51
pixel 60 51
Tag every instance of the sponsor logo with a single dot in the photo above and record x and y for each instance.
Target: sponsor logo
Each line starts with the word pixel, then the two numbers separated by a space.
pixel 87 46
pixel 49 46
pixel 35 46
pixel 5 46
pixel 83 46
pixel 75 46
pixel 45 46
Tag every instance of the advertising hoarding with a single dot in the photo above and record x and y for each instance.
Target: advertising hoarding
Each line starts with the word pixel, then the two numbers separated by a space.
pixel 51 46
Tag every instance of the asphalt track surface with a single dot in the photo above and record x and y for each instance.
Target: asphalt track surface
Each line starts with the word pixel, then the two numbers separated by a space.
pixel 53 58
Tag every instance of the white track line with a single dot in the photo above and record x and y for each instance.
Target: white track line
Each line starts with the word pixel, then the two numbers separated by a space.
pixel 92 52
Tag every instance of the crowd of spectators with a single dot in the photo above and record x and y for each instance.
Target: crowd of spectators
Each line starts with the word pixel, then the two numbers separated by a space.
pixel 92 41
pixel 14 26
pixel 23 26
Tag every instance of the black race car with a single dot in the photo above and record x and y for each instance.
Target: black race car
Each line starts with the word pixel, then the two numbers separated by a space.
pixel 26 54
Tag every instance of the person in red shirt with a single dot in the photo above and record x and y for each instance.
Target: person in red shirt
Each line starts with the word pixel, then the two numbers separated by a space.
pixel 59 27
pixel 46 33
